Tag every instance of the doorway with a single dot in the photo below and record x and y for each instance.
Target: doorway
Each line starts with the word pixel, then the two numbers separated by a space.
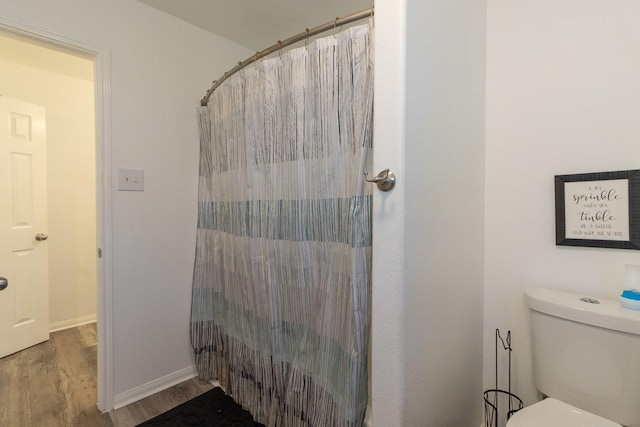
pixel 79 202
pixel 63 85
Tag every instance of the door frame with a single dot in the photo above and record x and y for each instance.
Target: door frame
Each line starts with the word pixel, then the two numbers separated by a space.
pixel 102 98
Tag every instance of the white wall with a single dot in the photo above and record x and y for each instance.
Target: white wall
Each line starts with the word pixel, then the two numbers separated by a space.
pixel 444 211
pixel 69 106
pixel 160 68
pixel 428 288
pixel 563 96
pixel 388 259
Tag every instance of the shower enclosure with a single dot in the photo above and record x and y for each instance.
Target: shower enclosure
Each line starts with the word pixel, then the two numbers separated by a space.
pixel 281 289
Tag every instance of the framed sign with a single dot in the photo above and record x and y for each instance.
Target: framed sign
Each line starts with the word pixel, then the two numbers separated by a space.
pixel 598 209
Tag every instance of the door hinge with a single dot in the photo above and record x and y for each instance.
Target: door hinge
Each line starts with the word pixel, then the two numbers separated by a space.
pixel 99 253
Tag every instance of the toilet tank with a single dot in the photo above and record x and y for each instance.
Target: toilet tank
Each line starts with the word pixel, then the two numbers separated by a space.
pixel 586 352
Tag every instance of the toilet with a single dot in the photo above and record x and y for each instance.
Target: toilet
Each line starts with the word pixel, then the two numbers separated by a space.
pixel 586 361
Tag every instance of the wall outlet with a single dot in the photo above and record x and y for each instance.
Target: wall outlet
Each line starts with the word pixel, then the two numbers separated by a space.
pixel 130 180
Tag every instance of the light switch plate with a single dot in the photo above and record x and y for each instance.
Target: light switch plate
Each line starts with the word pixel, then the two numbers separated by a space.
pixel 130 180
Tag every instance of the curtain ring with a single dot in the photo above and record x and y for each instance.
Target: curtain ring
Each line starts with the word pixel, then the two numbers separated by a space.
pixel 306 40
pixel 280 48
pixel 335 25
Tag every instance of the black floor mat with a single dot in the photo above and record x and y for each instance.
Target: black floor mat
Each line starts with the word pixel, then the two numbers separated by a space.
pixel 213 408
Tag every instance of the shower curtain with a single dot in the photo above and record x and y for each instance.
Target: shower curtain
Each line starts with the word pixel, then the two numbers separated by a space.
pixel 281 290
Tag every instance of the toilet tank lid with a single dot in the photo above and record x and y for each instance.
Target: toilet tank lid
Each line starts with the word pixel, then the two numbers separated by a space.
pixel 552 412
pixel 605 313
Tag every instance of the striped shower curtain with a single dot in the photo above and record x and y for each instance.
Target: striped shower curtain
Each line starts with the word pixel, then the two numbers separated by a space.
pixel 281 289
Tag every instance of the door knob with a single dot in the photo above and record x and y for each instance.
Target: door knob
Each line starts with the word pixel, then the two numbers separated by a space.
pixel 41 236
pixel 3 283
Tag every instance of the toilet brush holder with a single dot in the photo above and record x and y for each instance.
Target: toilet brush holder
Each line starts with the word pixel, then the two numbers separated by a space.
pixel 500 404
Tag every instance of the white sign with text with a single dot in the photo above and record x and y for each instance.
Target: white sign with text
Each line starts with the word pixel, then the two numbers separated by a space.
pixel 597 210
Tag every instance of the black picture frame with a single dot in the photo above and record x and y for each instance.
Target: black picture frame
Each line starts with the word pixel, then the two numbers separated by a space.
pixel 599 217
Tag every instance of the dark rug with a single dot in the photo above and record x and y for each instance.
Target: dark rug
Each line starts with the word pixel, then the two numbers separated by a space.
pixel 213 408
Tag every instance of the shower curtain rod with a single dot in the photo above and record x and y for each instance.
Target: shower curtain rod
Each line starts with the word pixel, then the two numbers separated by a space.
pixel 287 42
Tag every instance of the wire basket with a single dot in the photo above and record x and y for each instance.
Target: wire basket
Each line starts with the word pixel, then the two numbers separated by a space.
pixel 498 403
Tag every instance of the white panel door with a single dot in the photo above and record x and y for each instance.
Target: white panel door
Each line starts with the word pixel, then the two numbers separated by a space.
pixel 24 294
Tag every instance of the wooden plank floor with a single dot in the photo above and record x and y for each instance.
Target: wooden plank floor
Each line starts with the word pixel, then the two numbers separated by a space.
pixel 53 384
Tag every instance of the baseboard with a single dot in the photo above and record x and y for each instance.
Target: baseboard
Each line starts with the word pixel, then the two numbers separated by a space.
pixel 72 323
pixel 153 387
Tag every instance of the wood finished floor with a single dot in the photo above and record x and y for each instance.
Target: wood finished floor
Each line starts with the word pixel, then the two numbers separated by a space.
pixel 53 384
